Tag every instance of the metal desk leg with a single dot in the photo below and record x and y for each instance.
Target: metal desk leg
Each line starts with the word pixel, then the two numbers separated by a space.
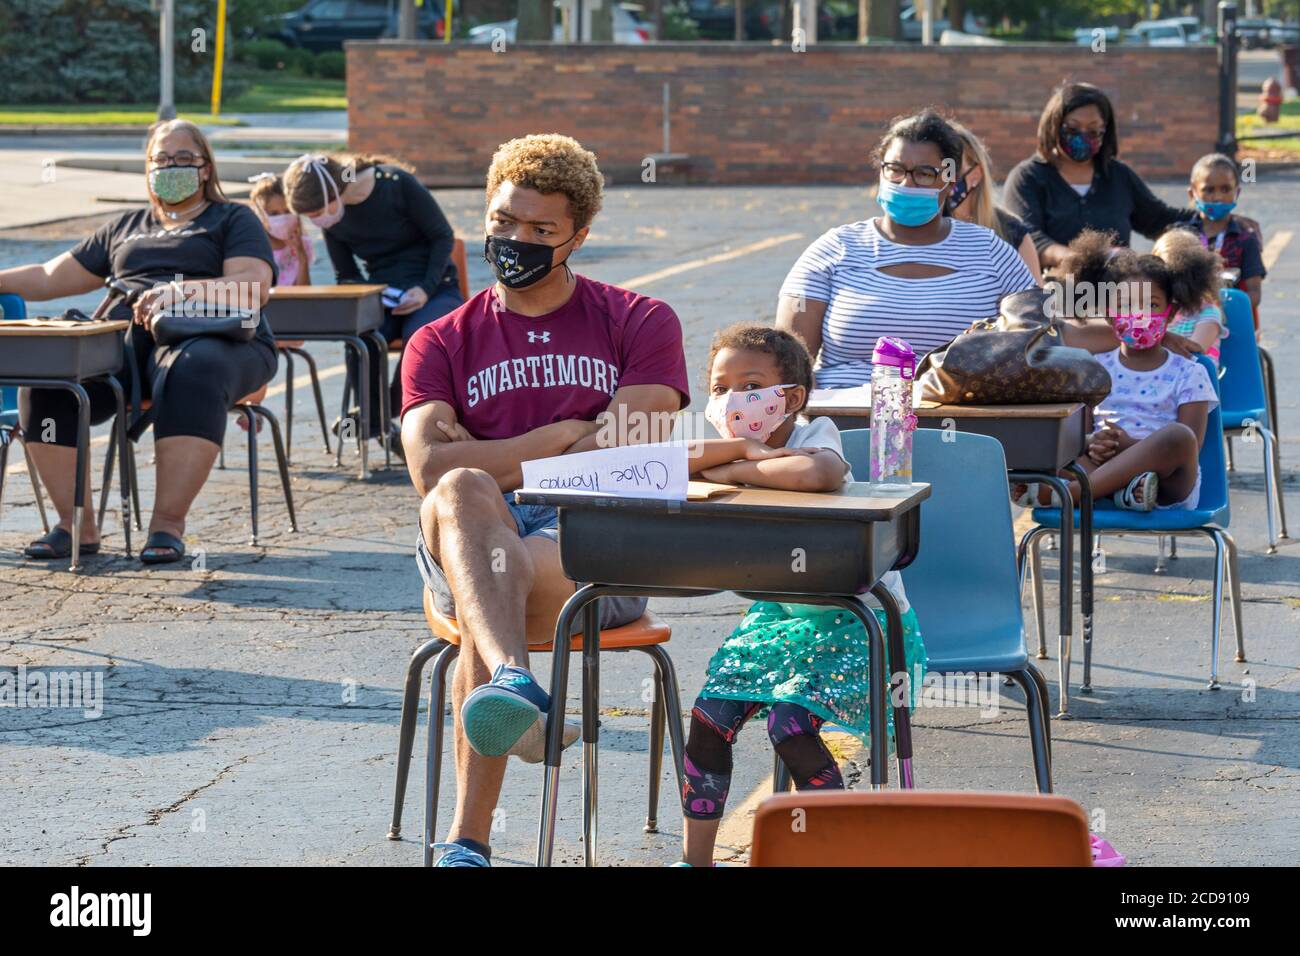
pixel 123 467
pixel 363 401
pixel 385 412
pixel 555 719
pixel 83 453
pixel 1062 489
pixel 590 725
pixel 1086 569
pixel 288 403
pixel 899 685
pixel 876 691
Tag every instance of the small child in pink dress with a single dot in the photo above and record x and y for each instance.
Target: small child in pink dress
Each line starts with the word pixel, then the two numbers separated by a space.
pixel 293 251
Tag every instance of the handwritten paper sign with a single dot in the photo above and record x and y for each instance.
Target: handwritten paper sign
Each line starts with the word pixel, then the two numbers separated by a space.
pixel 628 471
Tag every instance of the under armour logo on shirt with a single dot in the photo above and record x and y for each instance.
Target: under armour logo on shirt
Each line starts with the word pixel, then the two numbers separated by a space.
pixel 539 336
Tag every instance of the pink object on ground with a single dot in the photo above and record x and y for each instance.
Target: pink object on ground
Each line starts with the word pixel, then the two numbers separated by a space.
pixel 1103 854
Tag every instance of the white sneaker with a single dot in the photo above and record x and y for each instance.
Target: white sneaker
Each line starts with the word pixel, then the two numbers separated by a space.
pixel 531 747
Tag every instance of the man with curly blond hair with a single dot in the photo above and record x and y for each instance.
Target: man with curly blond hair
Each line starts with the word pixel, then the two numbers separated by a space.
pixel 521 371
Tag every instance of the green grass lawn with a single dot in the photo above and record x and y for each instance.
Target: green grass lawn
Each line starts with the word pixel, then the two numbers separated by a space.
pixel 1289 119
pixel 266 93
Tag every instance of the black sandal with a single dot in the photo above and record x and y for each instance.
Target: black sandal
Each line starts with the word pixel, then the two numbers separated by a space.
pixel 57 544
pixel 172 548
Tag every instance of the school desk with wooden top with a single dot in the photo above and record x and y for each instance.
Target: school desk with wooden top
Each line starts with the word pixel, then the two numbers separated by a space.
pixel 57 353
pixel 1038 442
pixel 761 544
pixel 339 313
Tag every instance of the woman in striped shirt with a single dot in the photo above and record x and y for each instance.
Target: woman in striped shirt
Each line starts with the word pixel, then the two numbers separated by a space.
pixel 913 272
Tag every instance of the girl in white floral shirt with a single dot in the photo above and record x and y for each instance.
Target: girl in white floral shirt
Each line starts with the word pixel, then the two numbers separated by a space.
pixel 1147 447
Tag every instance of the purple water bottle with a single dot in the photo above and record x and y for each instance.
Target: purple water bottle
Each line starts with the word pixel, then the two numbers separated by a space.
pixel 893 367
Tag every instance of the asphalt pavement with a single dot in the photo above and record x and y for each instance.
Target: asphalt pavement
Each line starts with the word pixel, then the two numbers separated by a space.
pixel 250 695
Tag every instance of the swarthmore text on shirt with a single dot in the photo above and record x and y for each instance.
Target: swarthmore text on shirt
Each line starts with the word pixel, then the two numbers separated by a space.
pixel 541 371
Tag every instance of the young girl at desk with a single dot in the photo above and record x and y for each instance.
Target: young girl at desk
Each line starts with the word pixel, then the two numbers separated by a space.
pixel 1146 452
pixel 806 664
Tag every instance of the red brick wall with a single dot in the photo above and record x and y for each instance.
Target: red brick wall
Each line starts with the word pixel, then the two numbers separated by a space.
pixel 756 114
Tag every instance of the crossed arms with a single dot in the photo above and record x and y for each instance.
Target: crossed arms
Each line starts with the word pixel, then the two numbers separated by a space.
pixel 435 442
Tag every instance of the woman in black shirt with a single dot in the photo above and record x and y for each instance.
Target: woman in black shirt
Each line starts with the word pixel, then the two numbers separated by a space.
pixel 373 210
pixel 1075 182
pixel 190 246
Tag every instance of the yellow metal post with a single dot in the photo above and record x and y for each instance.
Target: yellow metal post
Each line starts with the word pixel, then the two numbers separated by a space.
pixel 221 56
pixel 446 24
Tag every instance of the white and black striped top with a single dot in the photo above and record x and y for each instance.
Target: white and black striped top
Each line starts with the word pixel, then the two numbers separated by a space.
pixel 842 269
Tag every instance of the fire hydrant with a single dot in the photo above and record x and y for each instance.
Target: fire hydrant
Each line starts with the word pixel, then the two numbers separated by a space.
pixel 1270 101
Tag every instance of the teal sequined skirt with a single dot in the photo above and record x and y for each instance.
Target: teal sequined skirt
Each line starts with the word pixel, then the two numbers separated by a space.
pixel 810 655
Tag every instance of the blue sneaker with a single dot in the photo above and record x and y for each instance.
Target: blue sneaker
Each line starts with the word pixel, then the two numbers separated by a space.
pixel 496 714
pixel 453 854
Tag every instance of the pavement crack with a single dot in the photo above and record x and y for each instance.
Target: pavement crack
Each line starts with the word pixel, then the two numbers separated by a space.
pixel 155 816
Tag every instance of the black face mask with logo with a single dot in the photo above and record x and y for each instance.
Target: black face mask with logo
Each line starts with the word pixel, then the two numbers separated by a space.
pixel 518 264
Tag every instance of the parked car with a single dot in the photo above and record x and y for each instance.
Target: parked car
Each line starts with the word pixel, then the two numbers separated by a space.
pixel 1256 34
pixel 716 20
pixel 1285 33
pixel 1193 30
pixel 629 27
pixel 910 16
pixel 1157 33
pixel 325 24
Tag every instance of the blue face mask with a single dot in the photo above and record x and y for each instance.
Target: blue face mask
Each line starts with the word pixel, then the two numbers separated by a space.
pixel 908 205
pixel 1214 211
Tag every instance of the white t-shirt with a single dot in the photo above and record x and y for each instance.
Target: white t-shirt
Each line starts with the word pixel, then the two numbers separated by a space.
pixel 1144 402
pixel 822 433
pixel 843 269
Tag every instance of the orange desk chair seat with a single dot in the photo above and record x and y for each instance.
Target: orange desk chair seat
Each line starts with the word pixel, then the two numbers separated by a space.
pixel 919 828
pixel 647 634
pixel 250 406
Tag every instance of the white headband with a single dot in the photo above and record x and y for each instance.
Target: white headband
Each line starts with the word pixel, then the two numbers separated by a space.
pixel 317 164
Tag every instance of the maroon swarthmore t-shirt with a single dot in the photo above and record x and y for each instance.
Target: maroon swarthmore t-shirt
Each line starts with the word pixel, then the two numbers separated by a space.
pixel 506 374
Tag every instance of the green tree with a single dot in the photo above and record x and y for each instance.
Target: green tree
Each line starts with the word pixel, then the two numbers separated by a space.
pixel 99 51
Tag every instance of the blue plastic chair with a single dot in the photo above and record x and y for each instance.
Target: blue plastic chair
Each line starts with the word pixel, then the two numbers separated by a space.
pixel 964 583
pixel 1245 404
pixel 13 307
pixel 1209 518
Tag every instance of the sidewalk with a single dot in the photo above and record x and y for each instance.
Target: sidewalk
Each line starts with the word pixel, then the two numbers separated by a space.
pixel 53 176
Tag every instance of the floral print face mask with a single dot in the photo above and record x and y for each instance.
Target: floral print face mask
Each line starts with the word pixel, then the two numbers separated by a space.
pixel 1142 331
pixel 754 414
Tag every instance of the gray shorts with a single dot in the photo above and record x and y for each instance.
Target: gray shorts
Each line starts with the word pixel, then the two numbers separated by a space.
pixel 530 520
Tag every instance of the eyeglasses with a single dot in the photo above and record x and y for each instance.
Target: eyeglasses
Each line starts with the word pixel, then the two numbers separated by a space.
pixel 921 175
pixel 182 158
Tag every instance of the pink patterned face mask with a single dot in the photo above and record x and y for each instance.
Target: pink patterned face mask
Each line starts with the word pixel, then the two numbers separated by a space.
pixel 1142 331
pixel 754 414
pixel 282 225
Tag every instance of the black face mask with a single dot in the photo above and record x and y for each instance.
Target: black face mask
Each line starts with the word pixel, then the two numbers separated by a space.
pixel 518 264
pixel 960 190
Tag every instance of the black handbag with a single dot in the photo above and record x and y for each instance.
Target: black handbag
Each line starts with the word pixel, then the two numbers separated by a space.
pixel 237 325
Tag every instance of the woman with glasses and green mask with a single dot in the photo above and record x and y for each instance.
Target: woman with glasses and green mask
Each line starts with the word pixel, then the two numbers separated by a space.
pixel 192 248
pixel 912 272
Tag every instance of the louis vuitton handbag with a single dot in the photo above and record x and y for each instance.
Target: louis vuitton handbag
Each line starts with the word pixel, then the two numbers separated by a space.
pixel 1018 357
